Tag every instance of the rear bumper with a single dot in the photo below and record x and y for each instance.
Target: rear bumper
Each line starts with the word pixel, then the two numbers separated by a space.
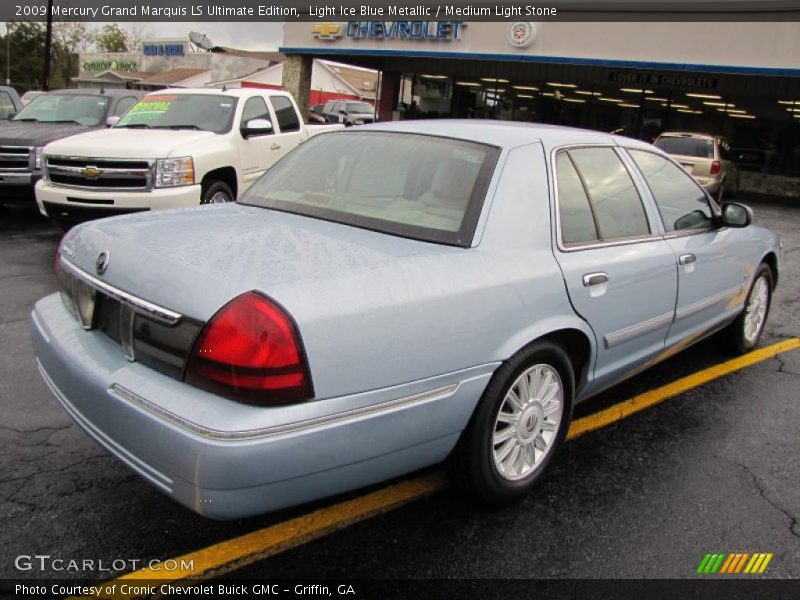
pixel 75 205
pixel 224 459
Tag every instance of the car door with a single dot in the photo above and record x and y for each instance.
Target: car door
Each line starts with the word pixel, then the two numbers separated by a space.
pixel 289 132
pixel 711 280
pixel 619 272
pixel 257 152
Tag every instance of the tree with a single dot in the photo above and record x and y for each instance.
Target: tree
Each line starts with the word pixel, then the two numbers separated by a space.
pixel 26 44
pixel 70 40
pixel 112 38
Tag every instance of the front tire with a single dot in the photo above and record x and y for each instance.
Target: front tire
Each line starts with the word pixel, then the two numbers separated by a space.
pixel 743 334
pixel 518 426
pixel 216 192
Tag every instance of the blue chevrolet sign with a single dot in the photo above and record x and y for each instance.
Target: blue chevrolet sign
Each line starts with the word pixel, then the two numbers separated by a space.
pixel 405 30
pixel 162 49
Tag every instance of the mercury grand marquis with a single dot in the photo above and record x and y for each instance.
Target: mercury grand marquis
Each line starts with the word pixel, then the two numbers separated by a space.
pixel 392 297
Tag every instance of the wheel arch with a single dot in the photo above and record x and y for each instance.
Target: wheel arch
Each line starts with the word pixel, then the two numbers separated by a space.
pixel 573 335
pixel 226 175
pixel 771 259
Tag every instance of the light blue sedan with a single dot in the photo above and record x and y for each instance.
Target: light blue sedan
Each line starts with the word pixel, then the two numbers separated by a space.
pixel 387 298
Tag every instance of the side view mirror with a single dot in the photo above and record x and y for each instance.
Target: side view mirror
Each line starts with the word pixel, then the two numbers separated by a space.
pixel 255 127
pixel 111 121
pixel 11 115
pixel 343 112
pixel 736 215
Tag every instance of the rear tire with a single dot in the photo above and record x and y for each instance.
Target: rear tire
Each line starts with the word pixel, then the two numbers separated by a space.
pixel 743 334
pixel 216 192
pixel 511 440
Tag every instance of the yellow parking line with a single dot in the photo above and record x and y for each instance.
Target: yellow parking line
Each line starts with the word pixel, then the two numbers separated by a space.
pixel 237 552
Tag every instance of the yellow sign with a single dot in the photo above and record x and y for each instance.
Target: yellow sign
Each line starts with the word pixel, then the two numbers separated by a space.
pixel 327 31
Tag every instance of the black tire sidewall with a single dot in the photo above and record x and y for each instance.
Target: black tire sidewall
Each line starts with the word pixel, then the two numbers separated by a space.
pixel 213 187
pixel 486 480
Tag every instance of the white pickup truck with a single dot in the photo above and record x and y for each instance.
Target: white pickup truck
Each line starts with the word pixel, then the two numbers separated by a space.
pixel 174 148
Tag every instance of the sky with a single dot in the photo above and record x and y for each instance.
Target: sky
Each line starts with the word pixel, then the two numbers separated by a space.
pixel 246 36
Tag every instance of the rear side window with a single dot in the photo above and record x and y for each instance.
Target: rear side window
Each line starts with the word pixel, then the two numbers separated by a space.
pixel 680 200
pixel 285 113
pixel 575 213
pixel 615 202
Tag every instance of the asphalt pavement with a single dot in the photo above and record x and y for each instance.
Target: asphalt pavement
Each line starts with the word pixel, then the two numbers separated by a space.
pixel 714 469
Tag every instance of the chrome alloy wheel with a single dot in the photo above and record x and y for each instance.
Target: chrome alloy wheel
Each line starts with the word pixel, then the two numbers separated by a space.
pixel 527 423
pixel 756 310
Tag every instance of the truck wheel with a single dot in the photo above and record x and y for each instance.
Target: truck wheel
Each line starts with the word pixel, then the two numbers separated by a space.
pixel 518 425
pixel 216 192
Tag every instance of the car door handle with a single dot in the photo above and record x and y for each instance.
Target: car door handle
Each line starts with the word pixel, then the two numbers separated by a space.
pixel 595 279
pixel 275 146
pixel 686 259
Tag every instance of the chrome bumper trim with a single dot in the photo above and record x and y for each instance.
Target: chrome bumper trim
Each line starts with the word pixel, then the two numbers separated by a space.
pixel 124 393
pixel 148 308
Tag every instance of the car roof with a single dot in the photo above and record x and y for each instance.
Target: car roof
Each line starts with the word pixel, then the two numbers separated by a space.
pixel 504 134
pixel 689 134
pixel 237 92
pixel 95 92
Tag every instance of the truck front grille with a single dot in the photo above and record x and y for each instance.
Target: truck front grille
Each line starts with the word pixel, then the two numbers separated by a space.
pixel 99 173
pixel 15 158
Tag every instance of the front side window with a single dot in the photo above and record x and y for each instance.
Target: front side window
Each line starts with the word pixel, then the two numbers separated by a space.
pixel 124 105
pixel 615 202
pixel 89 110
pixel 162 110
pixel 285 113
pixel 6 105
pixel 681 202
pixel 416 186
pixel 255 108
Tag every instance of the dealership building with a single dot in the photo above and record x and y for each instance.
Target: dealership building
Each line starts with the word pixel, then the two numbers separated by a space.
pixel 736 79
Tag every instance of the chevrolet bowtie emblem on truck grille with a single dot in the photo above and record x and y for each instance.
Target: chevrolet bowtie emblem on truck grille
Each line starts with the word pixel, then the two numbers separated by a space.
pixel 91 172
pixel 327 31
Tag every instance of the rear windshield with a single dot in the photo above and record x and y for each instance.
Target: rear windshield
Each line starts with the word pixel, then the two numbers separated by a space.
pixel 65 108
pixel 359 107
pixel 208 112
pixel 415 186
pixel 686 146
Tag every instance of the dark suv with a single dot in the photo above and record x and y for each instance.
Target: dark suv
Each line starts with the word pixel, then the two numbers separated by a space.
pixel 47 118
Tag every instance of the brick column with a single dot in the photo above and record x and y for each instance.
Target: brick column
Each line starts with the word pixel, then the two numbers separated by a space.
pixel 387 102
pixel 297 79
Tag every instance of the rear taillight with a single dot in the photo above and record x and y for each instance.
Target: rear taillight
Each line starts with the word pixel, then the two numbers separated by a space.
pixel 251 351
pixel 716 166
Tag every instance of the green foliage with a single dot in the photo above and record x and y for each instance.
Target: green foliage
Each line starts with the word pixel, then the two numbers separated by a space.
pixel 112 39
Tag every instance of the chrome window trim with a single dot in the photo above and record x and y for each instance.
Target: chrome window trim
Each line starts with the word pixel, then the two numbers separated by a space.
pixel 620 336
pixel 700 305
pixel 579 246
pixel 149 172
pixel 289 428
pixel 149 309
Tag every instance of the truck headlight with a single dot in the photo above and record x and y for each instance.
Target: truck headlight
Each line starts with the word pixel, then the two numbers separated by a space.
pixel 37 158
pixel 171 172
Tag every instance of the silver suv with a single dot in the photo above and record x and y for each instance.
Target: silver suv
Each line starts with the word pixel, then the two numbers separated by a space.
pixel 706 157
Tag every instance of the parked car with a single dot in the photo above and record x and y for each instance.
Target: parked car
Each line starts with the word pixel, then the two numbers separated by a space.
pixel 52 116
pixel 707 158
pixel 30 95
pixel 175 148
pixel 387 297
pixel 315 114
pixel 349 113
